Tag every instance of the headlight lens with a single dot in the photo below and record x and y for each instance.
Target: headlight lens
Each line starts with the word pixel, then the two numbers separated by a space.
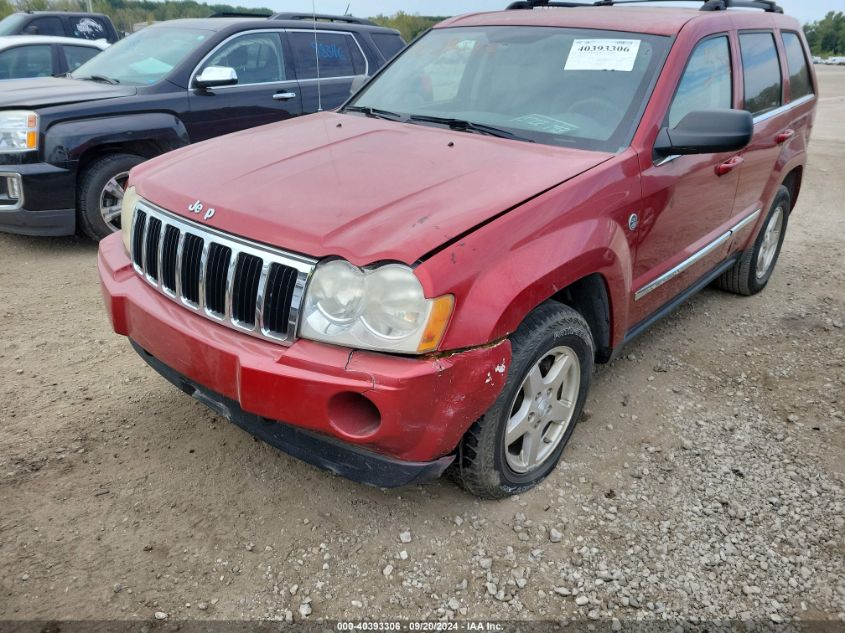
pixel 127 213
pixel 18 131
pixel 382 308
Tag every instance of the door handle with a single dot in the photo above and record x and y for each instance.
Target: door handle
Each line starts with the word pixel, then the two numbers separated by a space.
pixel 784 136
pixel 284 96
pixel 729 165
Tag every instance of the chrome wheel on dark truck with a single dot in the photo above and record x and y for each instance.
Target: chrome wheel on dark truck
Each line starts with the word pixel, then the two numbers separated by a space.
pixel 519 441
pixel 756 265
pixel 101 191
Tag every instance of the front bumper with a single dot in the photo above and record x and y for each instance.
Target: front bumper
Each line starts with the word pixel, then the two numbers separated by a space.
pixel 422 406
pixel 44 200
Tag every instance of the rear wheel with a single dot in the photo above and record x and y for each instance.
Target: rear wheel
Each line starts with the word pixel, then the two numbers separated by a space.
pixel 101 192
pixel 755 267
pixel 519 441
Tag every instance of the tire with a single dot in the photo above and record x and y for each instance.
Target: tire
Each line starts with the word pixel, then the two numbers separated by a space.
pixel 755 267
pixel 103 173
pixel 492 465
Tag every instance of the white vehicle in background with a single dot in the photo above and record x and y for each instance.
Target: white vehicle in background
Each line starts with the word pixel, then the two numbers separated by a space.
pixel 24 56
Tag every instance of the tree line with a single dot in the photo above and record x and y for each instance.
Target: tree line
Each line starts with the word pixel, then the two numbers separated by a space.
pixel 127 13
pixel 827 36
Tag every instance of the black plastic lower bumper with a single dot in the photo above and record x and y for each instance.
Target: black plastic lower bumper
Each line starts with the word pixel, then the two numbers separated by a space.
pixel 56 222
pixel 347 460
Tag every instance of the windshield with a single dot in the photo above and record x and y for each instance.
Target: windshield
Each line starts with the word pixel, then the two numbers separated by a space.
pixel 11 23
pixel 144 57
pixel 570 87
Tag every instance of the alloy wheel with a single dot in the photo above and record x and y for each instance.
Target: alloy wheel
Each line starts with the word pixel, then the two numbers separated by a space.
pixel 543 410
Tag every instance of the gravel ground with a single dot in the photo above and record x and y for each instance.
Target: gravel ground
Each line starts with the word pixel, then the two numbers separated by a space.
pixel 705 485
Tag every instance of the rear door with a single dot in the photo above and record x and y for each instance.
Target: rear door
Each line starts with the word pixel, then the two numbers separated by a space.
pixel 333 56
pixel 266 91
pixel 687 200
pixel 764 97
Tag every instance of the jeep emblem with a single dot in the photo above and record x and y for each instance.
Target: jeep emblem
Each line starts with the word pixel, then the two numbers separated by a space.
pixel 197 208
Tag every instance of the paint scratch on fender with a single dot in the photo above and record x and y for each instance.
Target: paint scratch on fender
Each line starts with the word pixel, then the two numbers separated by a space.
pixel 500 368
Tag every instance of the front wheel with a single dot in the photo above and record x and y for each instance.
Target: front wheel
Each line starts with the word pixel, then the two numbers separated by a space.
pixel 101 194
pixel 519 441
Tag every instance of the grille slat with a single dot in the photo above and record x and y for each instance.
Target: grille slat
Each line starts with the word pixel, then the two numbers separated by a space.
pixel 151 247
pixel 191 255
pixel 168 258
pixel 242 285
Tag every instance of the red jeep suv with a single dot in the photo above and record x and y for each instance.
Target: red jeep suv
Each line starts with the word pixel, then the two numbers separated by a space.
pixel 425 277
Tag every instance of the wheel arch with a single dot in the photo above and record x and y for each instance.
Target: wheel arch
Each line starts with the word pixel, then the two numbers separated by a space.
pixel 792 182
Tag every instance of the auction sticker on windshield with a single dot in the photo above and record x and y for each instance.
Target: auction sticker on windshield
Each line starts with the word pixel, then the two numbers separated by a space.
pixel 603 54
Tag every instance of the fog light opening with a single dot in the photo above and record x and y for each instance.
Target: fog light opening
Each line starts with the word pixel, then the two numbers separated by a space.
pixel 353 415
pixel 13 187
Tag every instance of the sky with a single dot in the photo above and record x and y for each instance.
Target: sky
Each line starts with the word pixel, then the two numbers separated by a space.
pixel 804 10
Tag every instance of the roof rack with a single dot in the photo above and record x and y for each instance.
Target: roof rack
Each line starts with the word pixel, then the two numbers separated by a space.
pixel 238 14
pixel 323 17
pixel 769 6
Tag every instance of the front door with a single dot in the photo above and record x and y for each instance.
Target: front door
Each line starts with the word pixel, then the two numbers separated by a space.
pixel 687 200
pixel 266 91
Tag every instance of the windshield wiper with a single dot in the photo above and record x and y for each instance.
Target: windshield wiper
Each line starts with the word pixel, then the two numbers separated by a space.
pixel 375 113
pixel 101 78
pixel 468 126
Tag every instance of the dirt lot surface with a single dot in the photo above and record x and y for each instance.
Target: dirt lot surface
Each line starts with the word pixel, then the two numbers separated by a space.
pixel 705 484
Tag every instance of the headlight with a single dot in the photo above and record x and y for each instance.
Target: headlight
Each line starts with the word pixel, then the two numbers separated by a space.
pixel 382 309
pixel 18 131
pixel 127 212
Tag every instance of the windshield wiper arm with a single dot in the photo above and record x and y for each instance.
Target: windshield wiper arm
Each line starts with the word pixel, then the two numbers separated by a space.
pixel 102 78
pixel 468 126
pixel 375 113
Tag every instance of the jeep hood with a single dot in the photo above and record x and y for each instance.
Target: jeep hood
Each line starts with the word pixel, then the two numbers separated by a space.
pixel 51 91
pixel 359 188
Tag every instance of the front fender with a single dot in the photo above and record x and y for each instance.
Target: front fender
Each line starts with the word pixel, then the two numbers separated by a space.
pixel 67 141
pixel 503 270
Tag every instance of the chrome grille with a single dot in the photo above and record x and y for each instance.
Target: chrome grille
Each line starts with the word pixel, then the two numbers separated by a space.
pixel 243 285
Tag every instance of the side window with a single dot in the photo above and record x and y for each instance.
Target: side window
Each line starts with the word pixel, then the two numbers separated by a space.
pixel 256 57
pixel 26 61
pixel 388 43
pixel 45 26
pixel 338 53
pixel 75 56
pixel 707 80
pixel 761 68
pixel 88 28
pixel 796 62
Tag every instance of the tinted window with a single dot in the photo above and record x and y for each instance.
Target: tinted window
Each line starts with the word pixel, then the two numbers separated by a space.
pixel 706 83
pixel 75 56
pixel 388 43
pixel 26 61
pixel 796 61
pixel 45 26
pixel 146 56
pixel 88 28
pixel 338 53
pixel 256 57
pixel 572 87
pixel 761 67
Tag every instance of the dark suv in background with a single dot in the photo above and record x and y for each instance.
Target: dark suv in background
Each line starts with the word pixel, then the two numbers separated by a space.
pixel 67 144
pixel 85 26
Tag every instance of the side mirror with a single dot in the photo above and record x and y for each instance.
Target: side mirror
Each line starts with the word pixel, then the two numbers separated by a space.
pixel 707 132
pixel 359 82
pixel 215 76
